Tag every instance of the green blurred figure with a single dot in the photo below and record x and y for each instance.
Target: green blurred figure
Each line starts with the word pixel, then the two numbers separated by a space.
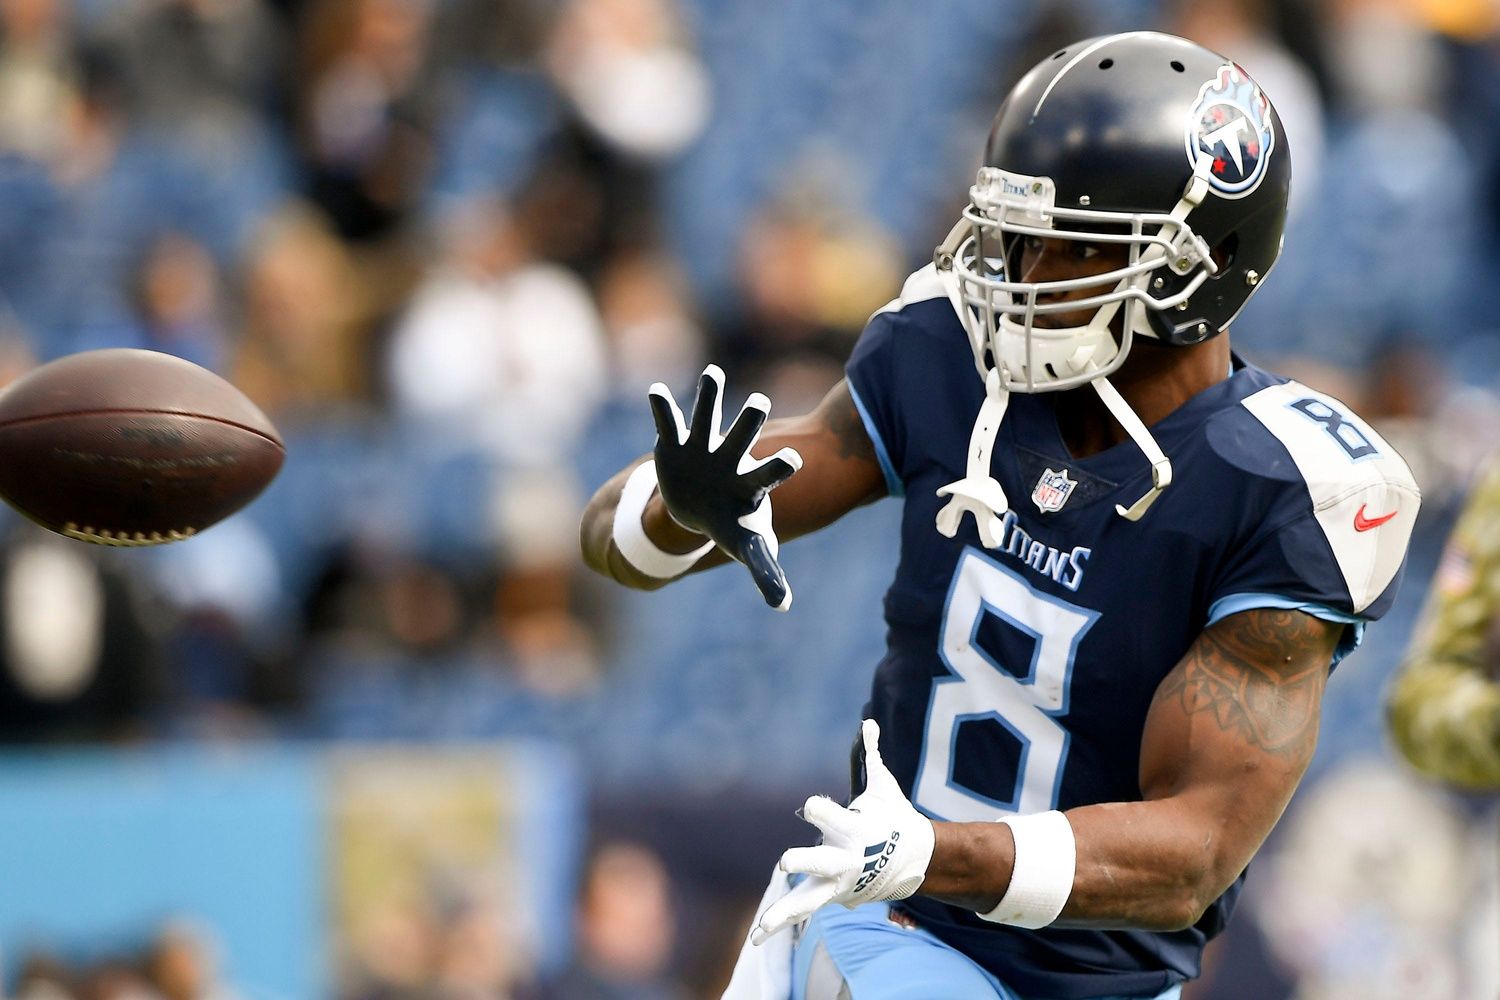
pixel 1445 706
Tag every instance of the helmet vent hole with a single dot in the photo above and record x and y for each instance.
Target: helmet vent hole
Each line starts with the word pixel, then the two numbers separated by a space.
pixel 1061 54
pixel 1106 64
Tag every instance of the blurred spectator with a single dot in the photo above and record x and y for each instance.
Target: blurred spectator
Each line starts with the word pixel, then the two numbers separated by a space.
pixel 551 647
pixel 198 82
pixel 626 67
pixel 178 305
pixel 478 959
pixel 305 346
pixel 626 931
pixel 498 348
pixel 1410 393
pixel 115 980
pixel 1445 707
pixel 90 221
pixel 392 955
pixel 38 76
pixel 374 601
pixel 500 110
pixel 107 194
pixel 80 653
pixel 180 965
pixel 471 34
pixel 1385 61
pixel 412 952
pixel 1390 241
pixel 636 95
pixel 504 353
pixel 653 332
pixel 43 977
pixel 231 638
pixel 812 270
pixel 363 111
pixel 197 63
pixel 1376 910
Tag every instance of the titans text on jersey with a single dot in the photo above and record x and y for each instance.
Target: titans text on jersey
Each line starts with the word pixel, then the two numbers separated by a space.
pixel 1065 566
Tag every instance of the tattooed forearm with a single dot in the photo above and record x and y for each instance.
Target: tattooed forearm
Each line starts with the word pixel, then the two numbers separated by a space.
pixel 842 418
pixel 1259 674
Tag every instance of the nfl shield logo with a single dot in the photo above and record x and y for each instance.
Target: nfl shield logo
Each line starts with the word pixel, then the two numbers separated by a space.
pixel 1052 491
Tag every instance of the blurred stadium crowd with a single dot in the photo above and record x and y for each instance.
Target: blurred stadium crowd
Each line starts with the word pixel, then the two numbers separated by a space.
pixel 446 244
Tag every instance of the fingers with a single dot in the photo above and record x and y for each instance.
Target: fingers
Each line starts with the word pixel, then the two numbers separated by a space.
pixel 708 408
pixel 857 765
pixel 668 415
pixel 755 553
pixel 827 815
pixel 795 907
pixel 770 473
pixel 756 547
pixel 824 860
pixel 877 776
pixel 747 425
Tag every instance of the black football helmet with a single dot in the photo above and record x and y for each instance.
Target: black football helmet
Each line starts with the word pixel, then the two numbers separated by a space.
pixel 1143 139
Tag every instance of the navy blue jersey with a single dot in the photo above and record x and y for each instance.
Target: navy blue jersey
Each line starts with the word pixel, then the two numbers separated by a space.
pixel 1018 679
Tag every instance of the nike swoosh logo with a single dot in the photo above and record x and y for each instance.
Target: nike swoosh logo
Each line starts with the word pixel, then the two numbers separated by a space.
pixel 1362 523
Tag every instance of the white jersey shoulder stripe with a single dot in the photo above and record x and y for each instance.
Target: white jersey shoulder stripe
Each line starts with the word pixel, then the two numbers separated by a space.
pixel 921 285
pixel 1363 495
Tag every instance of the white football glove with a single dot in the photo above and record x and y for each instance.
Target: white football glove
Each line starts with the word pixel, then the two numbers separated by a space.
pixel 876 848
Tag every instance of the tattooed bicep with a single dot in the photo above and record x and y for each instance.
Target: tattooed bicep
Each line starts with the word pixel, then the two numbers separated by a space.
pixel 841 417
pixel 1257 676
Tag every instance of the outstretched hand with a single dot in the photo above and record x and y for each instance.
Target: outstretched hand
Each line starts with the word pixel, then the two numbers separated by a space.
pixel 710 483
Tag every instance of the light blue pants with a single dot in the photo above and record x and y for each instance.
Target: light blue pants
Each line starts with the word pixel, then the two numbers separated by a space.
pixel 859 954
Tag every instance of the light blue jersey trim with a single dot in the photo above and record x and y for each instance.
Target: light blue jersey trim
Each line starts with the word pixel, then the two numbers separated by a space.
pixel 1235 603
pixel 893 484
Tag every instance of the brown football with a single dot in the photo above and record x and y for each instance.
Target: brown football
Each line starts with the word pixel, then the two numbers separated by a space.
pixel 129 447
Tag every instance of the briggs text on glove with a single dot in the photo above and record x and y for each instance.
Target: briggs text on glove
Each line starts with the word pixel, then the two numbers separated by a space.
pixel 875 866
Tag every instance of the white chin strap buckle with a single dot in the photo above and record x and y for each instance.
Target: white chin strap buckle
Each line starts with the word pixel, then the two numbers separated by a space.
pixel 977 492
pixel 981 497
pixel 1161 466
pixel 1161 478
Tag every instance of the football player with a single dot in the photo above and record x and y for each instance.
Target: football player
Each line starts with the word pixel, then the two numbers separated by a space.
pixel 1444 709
pixel 1129 559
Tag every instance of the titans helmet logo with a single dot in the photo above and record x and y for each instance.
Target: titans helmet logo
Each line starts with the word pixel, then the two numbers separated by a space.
pixel 1229 128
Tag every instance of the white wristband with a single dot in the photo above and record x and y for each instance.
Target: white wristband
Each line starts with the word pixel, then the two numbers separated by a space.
pixel 1042 878
pixel 631 538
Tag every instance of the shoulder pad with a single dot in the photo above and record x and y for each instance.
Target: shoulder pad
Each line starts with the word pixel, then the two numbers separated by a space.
pixel 921 285
pixel 1362 493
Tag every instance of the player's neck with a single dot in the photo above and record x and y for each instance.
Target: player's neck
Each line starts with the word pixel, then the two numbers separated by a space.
pixel 1155 380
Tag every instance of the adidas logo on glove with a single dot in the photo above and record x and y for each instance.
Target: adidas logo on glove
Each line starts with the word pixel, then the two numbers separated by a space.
pixel 876 865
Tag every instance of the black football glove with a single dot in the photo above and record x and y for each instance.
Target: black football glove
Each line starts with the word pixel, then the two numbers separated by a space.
pixel 711 484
